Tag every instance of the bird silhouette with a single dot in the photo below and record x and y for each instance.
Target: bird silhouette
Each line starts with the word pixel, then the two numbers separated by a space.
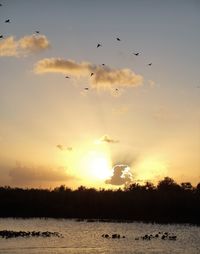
pixel 103 64
pixel 67 77
pixel 99 45
pixel 116 89
pixel 37 32
pixel 150 64
pixel 86 88
pixel 91 74
pixel 7 21
pixel 1 36
pixel 118 39
pixel 0 4
pixel 136 54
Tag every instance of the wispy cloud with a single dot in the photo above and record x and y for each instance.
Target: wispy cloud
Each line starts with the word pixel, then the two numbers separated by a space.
pixel 103 77
pixel 64 148
pixel 107 139
pixel 58 65
pixel 26 45
pixel 121 175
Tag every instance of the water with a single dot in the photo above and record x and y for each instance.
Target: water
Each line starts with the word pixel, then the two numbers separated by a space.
pixel 85 238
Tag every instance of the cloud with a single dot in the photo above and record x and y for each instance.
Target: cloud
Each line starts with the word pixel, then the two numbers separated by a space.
pixel 34 43
pixel 57 65
pixel 8 47
pixel 63 148
pixel 107 78
pixel 22 175
pixel 121 175
pixel 107 139
pixel 26 45
pixel 104 78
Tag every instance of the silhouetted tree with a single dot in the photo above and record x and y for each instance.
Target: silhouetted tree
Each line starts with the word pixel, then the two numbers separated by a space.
pixel 167 202
pixel 168 184
pixel 186 186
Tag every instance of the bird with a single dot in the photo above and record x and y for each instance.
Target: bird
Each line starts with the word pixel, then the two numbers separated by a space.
pixel 1 36
pixel 116 89
pixel 86 88
pixel 7 21
pixel 37 32
pixel 118 39
pixel 0 4
pixel 67 77
pixel 136 54
pixel 91 74
pixel 99 45
pixel 150 64
pixel 103 64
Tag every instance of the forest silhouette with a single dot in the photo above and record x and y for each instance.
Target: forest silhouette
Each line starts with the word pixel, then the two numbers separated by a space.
pixel 168 202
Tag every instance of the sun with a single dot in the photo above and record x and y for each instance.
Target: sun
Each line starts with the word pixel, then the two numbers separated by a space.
pixel 90 164
pixel 97 165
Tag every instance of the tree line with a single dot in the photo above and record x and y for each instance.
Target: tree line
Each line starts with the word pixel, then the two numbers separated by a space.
pixel 168 202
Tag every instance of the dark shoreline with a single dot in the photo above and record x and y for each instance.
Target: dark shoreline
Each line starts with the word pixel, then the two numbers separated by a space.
pixel 105 220
pixel 109 220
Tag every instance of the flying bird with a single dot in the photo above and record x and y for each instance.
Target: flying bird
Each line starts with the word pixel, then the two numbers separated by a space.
pixel 103 64
pixel 1 36
pixel 67 77
pixel 116 89
pixel 7 21
pixel 118 39
pixel 0 4
pixel 136 54
pixel 91 74
pixel 150 64
pixel 99 45
pixel 37 32
pixel 86 88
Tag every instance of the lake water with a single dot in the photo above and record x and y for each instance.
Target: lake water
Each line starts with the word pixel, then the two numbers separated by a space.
pixel 84 237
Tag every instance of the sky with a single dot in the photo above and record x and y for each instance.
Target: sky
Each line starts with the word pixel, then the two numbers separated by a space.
pixel 77 113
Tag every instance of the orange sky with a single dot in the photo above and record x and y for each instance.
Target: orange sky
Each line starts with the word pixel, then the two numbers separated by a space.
pixel 71 111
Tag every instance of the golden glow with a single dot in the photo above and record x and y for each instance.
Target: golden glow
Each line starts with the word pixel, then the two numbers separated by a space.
pixel 151 169
pixel 90 164
pixel 97 165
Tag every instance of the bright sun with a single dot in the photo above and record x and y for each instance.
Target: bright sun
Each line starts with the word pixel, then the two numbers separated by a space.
pixel 89 164
pixel 97 165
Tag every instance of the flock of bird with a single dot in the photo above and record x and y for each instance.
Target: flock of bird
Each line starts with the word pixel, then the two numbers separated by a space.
pixel 98 45
pixel 92 73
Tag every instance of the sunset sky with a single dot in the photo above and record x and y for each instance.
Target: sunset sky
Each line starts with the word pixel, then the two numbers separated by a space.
pixel 76 114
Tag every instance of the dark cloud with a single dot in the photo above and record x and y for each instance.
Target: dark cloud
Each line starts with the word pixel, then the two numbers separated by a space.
pixel 22 175
pixel 121 175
